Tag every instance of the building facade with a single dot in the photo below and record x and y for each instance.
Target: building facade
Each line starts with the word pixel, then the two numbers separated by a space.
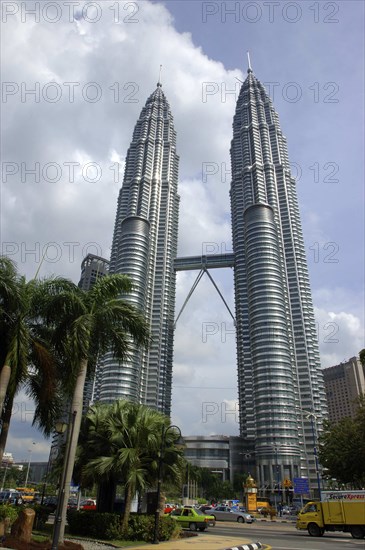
pixel 280 383
pixel 92 268
pixel 221 454
pixel 344 383
pixel 144 247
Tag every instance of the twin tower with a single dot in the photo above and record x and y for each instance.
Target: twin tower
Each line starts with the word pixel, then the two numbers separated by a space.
pixel 280 386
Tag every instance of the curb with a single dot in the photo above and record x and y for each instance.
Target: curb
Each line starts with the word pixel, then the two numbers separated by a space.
pixel 254 546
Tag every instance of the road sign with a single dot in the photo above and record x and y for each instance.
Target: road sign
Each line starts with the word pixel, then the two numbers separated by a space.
pixel 301 485
pixel 287 482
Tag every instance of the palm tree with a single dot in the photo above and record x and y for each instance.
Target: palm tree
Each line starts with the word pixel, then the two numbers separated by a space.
pixel 8 298
pixel 121 443
pixel 95 442
pixel 25 355
pixel 88 324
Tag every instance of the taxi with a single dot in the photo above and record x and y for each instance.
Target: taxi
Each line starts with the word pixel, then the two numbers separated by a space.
pixel 191 518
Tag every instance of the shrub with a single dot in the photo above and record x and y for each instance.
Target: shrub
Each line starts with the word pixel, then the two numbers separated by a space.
pixel 168 528
pixel 8 511
pixel 106 526
pixel 142 527
pixel 97 525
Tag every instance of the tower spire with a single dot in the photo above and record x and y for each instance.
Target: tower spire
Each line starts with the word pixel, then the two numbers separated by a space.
pixel 249 70
pixel 159 78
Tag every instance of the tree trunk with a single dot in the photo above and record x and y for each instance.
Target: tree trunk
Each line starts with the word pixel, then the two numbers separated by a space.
pixel 127 509
pixel 5 424
pixel 106 495
pixel 76 407
pixel 4 382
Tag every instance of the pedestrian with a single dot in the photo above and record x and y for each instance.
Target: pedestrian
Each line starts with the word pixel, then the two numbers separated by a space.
pixel 280 509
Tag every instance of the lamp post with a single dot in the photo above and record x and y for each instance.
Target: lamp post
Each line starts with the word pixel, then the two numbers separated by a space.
pixel 275 447
pixel 28 468
pixel 159 476
pixel 49 466
pixel 312 417
pixel 61 428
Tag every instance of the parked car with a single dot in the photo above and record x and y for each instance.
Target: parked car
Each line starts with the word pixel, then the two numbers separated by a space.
pixel 206 509
pixel 267 511
pixel 191 518
pixel 72 503
pixel 290 510
pixel 88 504
pixel 10 496
pixel 51 503
pixel 169 508
pixel 225 513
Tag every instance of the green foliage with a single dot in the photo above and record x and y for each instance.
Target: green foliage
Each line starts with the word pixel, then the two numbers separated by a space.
pixel 87 523
pixel 28 359
pixel 106 526
pixel 212 488
pixel 140 527
pixel 8 511
pixel 362 357
pixel 238 482
pixel 13 477
pixel 342 448
pixel 121 443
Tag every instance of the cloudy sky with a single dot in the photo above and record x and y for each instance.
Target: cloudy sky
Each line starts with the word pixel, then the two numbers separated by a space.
pixel 75 77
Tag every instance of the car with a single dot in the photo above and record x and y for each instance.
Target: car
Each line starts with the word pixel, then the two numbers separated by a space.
pixel 10 496
pixel 290 510
pixel 88 504
pixel 206 509
pixel 169 508
pixel 72 503
pixel 225 513
pixel 267 511
pixel 191 518
pixel 50 502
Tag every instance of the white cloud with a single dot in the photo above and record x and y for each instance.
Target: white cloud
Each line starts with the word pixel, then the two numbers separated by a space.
pixel 341 336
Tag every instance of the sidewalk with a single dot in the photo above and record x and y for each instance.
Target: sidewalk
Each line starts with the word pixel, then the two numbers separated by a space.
pixel 204 542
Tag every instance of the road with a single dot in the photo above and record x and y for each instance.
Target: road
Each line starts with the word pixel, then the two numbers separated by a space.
pixel 284 536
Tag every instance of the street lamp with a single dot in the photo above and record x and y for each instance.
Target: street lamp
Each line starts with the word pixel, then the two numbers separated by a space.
pixel 61 494
pixel 312 417
pixel 275 447
pixel 51 458
pixel 30 456
pixel 159 476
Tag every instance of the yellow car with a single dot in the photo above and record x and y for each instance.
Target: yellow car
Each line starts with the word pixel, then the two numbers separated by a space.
pixel 191 518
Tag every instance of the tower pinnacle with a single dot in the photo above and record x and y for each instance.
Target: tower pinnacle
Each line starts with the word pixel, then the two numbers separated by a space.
pixel 159 84
pixel 249 70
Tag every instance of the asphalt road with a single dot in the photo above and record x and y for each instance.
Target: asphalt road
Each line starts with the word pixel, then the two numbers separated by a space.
pixel 284 536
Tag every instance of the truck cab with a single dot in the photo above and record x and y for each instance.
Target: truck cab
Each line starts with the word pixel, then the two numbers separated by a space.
pixel 310 517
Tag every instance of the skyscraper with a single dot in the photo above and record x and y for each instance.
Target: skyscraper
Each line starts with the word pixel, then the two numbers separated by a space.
pixel 92 268
pixel 280 384
pixel 144 247
pixel 344 383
